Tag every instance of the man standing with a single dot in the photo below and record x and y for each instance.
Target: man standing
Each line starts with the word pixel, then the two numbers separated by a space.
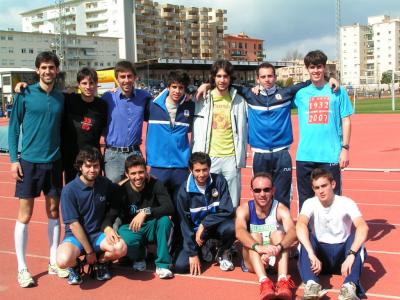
pixel 146 207
pixel 38 111
pixel 206 212
pixel 89 206
pixel 85 118
pixel 220 128
pixel 126 108
pixel 169 122
pixel 324 127
pixel 167 144
pixel 331 247
pixel 266 230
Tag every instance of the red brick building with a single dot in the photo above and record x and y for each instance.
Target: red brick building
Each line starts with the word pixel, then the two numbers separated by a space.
pixel 243 47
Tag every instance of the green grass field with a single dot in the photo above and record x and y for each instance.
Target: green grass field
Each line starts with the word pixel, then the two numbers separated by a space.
pixel 373 106
pixel 376 106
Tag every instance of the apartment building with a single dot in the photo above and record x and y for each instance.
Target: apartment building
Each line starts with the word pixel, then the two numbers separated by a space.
pixel 299 73
pixel 367 51
pixel 19 49
pixel 146 29
pixel 241 47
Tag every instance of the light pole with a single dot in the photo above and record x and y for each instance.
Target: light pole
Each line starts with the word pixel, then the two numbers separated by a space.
pixel 393 90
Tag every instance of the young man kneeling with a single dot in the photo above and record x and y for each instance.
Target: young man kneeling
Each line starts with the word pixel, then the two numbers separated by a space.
pixel 89 205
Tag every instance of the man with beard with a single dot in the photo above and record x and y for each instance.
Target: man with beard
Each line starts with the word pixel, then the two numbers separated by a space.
pixel 89 206
pixel 38 112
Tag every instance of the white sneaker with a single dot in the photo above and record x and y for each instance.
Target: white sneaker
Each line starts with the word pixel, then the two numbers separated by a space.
pixel 25 279
pixel 139 265
pixel 164 273
pixel 225 261
pixel 348 292
pixel 56 270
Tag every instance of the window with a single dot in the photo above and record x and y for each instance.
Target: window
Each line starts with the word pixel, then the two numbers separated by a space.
pixel 2 38
pixel 10 38
pixel 10 50
pixel 23 50
pixel 31 51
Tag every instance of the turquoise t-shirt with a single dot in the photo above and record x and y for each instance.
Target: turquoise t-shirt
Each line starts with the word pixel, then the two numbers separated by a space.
pixel 320 114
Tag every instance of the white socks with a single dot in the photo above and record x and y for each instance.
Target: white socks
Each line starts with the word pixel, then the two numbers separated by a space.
pixel 53 231
pixel 262 279
pixel 21 239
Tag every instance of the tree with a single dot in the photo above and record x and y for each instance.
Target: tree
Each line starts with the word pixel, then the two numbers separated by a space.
pixel 292 55
pixel 387 78
pixel 289 82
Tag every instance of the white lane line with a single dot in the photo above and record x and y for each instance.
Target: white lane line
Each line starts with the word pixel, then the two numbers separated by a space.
pixel 358 203
pixel 383 252
pixel 203 277
pixel 380 191
pixel 13 219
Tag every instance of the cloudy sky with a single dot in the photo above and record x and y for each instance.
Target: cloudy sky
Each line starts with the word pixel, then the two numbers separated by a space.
pixel 284 25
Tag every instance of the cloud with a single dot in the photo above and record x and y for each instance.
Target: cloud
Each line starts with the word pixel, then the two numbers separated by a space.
pixel 327 44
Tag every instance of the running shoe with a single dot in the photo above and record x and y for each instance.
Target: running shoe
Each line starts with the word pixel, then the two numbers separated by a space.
pixel 312 291
pixel 139 265
pixel 25 279
pixel 53 269
pixel 284 288
pixel 267 290
pixel 348 292
pixel 164 273
pixel 102 271
pixel 74 277
pixel 225 261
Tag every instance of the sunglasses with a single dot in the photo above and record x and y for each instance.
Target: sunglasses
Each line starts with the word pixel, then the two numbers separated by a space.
pixel 265 190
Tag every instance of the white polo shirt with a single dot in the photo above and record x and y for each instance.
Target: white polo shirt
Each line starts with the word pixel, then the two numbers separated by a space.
pixel 331 225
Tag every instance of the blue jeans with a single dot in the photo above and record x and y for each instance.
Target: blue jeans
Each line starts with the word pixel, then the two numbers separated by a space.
pixel 114 163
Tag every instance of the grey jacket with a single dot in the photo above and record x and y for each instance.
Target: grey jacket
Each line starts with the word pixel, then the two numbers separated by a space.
pixel 201 133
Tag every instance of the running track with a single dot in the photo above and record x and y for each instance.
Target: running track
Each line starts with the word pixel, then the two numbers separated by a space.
pixel 375 145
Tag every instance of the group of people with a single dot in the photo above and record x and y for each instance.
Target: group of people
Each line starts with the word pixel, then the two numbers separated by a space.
pixel 185 196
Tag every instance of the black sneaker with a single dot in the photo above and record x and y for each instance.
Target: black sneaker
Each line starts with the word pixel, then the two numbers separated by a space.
pixel 102 271
pixel 74 277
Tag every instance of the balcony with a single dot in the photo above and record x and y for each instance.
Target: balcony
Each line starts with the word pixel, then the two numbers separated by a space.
pixel 194 26
pixel 96 29
pixel 192 17
pixel 195 34
pixel 96 19
pixel 95 9
pixel 37 20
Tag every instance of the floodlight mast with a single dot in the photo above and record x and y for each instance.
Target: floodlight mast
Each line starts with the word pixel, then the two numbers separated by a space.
pixel 338 45
pixel 59 36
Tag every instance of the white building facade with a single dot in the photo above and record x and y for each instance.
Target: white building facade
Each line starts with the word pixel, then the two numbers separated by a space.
pixel 19 49
pixel 145 29
pixel 367 51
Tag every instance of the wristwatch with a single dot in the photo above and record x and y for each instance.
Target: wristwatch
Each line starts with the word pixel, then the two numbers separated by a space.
pixel 347 147
pixel 146 210
pixel 351 252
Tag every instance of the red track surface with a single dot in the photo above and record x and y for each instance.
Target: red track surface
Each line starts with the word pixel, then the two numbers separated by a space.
pixel 375 144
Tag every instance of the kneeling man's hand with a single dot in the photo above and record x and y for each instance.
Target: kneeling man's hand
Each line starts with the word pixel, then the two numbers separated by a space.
pixel 111 236
pixel 195 265
pixel 137 221
pixel 199 234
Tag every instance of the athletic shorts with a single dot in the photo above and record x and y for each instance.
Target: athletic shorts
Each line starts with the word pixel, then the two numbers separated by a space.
pixel 95 241
pixel 38 177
